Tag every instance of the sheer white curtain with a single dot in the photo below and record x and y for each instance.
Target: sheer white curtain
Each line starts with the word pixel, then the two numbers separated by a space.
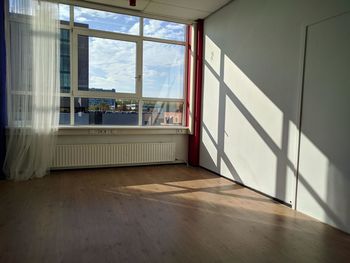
pixel 33 90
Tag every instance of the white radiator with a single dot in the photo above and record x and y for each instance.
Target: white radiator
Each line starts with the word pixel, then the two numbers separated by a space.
pixel 85 155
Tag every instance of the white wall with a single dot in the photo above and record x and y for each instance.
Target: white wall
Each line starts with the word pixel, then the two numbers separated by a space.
pixel 324 169
pixel 252 81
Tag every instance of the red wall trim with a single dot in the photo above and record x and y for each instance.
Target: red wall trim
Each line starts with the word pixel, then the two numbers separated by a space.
pixel 194 140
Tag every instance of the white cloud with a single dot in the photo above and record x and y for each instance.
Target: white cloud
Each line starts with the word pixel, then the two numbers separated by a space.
pixel 163 70
pixel 107 21
pixel 112 64
pixel 64 12
pixel 163 55
pixel 85 12
pixel 81 19
pixel 163 29
pixel 134 30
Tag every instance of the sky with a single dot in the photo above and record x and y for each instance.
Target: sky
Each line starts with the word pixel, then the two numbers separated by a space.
pixel 112 63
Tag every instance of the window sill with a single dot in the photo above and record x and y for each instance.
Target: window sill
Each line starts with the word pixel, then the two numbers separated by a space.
pixel 120 130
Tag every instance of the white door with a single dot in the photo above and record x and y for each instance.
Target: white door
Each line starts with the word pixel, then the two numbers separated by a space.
pixel 324 168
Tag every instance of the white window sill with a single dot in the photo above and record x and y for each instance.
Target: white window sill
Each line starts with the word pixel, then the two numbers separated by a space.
pixel 120 130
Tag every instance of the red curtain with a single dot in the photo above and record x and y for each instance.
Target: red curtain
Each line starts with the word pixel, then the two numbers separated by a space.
pixel 194 139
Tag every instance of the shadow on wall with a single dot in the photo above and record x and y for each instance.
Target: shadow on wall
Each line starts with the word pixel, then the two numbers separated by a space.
pixel 248 138
pixel 244 132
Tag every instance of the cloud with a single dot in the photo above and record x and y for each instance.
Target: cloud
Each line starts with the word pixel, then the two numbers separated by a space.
pixel 64 12
pixel 164 29
pixel 163 70
pixel 112 64
pixel 134 30
pixel 81 19
pixel 107 21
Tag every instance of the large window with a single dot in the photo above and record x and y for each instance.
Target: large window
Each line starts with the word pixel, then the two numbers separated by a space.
pixel 119 69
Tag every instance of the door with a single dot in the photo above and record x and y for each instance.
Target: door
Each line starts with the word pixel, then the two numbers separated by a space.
pixel 324 164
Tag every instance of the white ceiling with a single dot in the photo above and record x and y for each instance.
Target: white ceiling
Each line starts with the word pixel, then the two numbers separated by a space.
pixel 180 9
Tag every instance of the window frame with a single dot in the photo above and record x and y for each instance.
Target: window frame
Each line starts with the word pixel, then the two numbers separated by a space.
pixel 75 31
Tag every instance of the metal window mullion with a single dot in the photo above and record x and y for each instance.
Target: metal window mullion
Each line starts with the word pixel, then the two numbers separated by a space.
pixel 165 41
pixel 67 95
pixel 163 99
pixel 124 37
pixel 73 64
pixel 141 26
pixel 105 95
pixel 106 34
pixel 72 111
pixel 139 64
pixel 65 26
pixel 193 79
pixel 185 87
pixel 71 16
pixel 139 69
pixel 140 112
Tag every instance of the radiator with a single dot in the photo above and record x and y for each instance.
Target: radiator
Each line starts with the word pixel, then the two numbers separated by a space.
pixel 87 155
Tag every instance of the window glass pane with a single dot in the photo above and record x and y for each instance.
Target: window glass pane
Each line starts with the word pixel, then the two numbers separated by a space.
pixel 106 21
pixel 21 7
pixel 65 61
pixel 64 14
pixel 163 70
pixel 65 111
pixel 90 111
pixel 164 29
pixel 22 109
pixel 155 113
pixel 106 65
pixel 28 8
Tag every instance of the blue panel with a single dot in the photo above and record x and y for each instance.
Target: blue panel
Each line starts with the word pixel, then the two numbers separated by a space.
pixel 2 88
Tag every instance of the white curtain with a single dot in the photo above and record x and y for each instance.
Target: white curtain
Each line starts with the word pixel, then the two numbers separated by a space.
pixel 33 90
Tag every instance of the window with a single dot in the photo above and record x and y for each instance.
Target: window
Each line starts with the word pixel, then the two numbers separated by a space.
pixel 162 113
pixel 106 65
pixel 64 111
pixel 97 111
pixel 65 61
pixel 163 70
pixel 64 13
pixel 118 69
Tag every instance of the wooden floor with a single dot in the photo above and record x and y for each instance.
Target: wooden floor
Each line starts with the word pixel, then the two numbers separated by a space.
pixel 168 213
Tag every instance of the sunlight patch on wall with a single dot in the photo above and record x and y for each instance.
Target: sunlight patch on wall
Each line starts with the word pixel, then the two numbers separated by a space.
pixel 313 166
pixel 211 102
pixel 252 157
pixel 212 55
pixel 265 112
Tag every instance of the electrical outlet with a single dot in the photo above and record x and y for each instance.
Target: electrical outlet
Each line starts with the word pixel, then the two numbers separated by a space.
pixel 180 131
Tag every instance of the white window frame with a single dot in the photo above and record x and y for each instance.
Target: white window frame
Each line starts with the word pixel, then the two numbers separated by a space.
pixel 138 39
